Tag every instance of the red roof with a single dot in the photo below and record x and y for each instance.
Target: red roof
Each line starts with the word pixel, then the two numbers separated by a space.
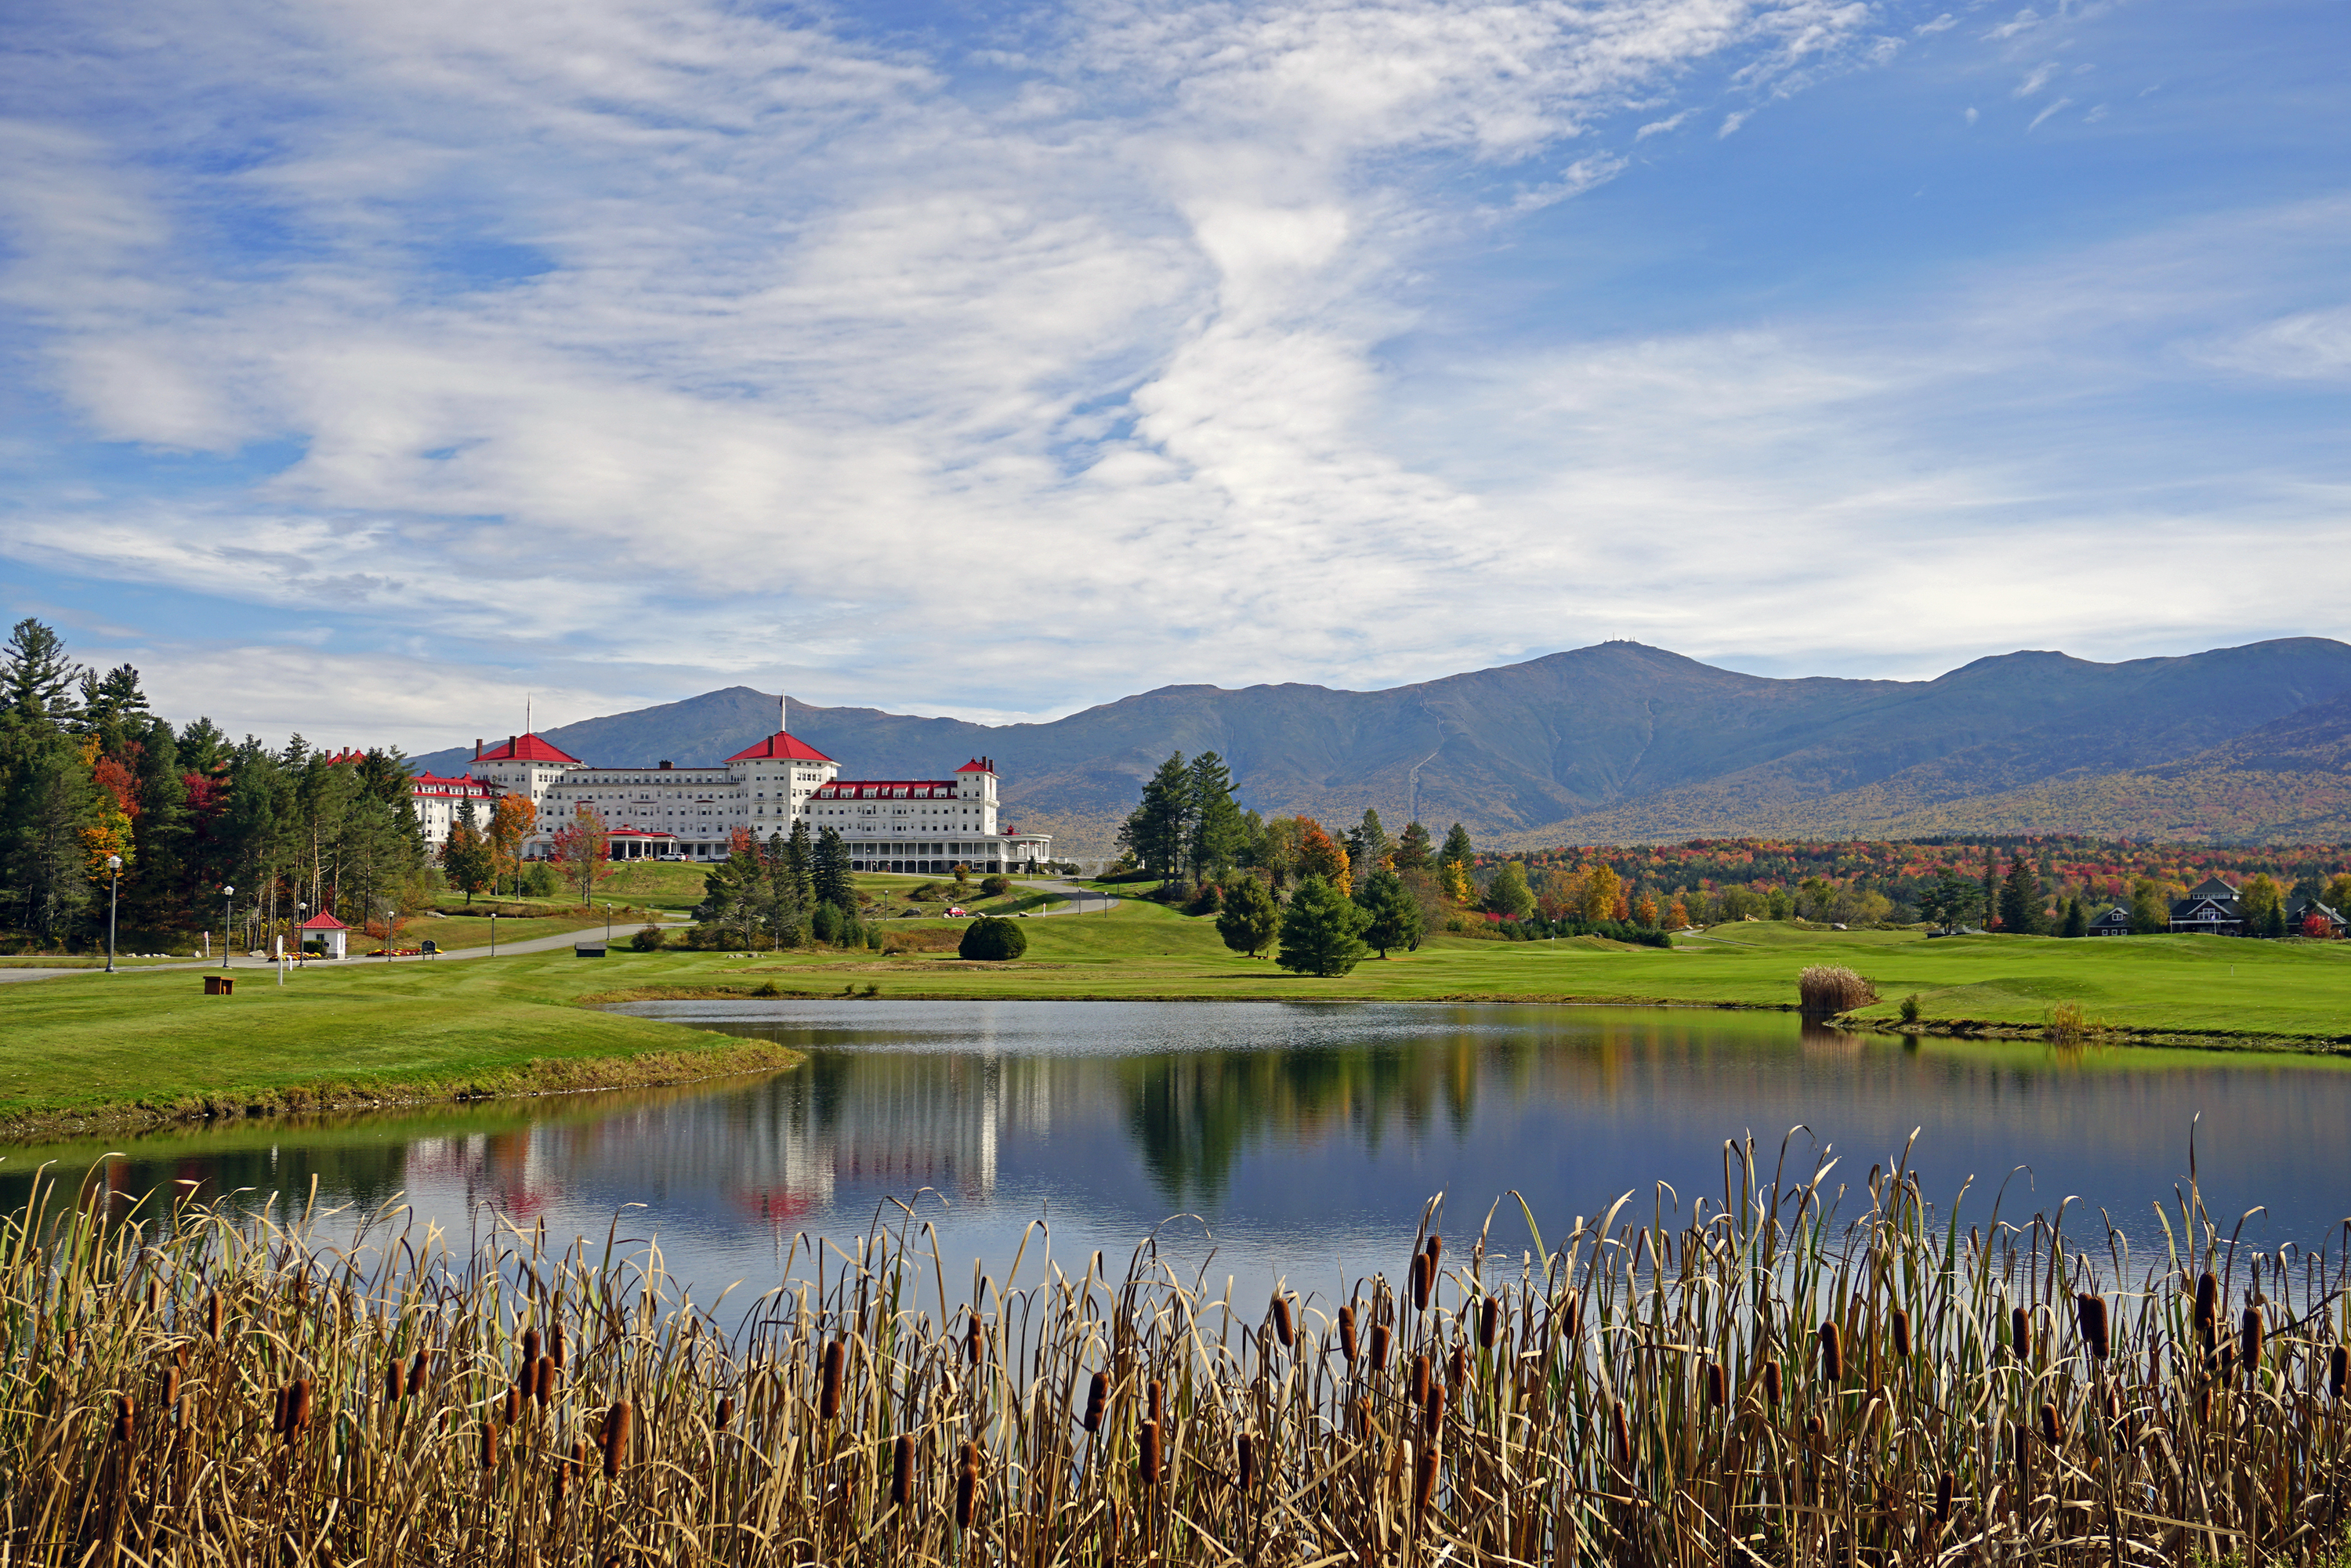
pixel 977 765
pixel 783 746
pixel 322 921
pixel 528 748
pixel 847 788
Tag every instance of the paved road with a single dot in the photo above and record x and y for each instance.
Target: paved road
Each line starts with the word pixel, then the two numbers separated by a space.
pixel 240 965
pixel 1081 901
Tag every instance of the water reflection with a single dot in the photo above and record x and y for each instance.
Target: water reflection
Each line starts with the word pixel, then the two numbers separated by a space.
pixel 1306 1136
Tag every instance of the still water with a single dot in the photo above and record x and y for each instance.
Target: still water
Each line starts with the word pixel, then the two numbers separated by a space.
pixel 1300 1140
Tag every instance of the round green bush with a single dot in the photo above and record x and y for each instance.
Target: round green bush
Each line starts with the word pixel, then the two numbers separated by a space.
pixel 990 937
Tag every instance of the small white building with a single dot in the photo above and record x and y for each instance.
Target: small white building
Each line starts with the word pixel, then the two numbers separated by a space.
pixel 926 826
pixel 330 934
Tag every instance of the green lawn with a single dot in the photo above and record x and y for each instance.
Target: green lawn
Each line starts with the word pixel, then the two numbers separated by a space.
pixel 87 1042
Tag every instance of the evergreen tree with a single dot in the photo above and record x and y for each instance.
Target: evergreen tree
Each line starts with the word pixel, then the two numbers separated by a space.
pixel 735 891
pixel 1368 845
pixel 1160 829
pixel 1412 851
pixel 1219 833
pixel 1321 930
pixel 1457 847
pixel 36 679
pixel 1509 896
pixel 830 875
pixel 1991 884
pixel 1394 913
pixel 1250 918
pixel 2077 919
pixel 2021 906
pixel 155 904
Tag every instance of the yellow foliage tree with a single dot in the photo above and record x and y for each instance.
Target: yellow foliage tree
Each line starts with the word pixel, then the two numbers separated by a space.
pixel 1603 893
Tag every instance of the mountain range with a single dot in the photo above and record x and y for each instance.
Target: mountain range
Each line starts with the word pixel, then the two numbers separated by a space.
pixel 1624 743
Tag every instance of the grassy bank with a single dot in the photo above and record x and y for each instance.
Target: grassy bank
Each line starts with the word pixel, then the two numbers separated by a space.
pixel 152 1043
pixel 1765 1382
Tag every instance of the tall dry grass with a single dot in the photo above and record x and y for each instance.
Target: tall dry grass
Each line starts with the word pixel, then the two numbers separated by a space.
pixel 1826 989
pixel 1764 1384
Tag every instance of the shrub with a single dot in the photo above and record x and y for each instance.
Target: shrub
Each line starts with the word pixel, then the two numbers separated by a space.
pixel 1828 989
pixel 929 893
pixel 2067 1024
pixel 994 886
pixel 993 938
pixel 1207 900
pixel 1910 1007
pixel 649 940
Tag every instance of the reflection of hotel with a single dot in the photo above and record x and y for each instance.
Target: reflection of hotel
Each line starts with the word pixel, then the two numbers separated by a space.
pixel 923 825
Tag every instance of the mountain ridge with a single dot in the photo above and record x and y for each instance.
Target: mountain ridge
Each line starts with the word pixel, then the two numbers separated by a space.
pixel 1615 742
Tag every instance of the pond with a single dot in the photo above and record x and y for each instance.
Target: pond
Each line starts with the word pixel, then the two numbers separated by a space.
pixel 1300 1139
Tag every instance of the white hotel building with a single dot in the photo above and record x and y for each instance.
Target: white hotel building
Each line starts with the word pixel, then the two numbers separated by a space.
pixel 918 825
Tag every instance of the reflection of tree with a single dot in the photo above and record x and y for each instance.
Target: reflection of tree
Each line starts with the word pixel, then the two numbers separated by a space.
pixel 1192 1114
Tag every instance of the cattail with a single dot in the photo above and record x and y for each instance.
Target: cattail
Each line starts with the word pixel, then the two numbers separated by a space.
pixel 124 1409
pixel 1245 1453
pixel 967 1484
pixel 616 1438
pixel 1771 1384
pixel 1282 1328
pixel 1420 1379
pixel 2339 1372
pixel 1436 1252
pixel 1943 1498
pixel 828 1397
pixel 1816 1431
pixel 725 1416
pixel 277 1413
pixel 1718 1384
pixel 298 1407
pixel 1381 1334
pixel 1832 1352
pixel 2090 1309
pixel 1097 1396
pixel 2251 1334
pixel 513 1401
pixel 530 1343
pixel 1901 1333
pixel 1154 1402
pixel 1621 1432
pixel 1433 1416
pixel 392 1381
pixel 489 1445
pixel 555 1341
pixel 567 1465
pixel 1424 1486
pixel 1347 1334
pixel 2228 1364
pixel 2053 1430
pixel 902 1471
pixel 1420 1282
pixel 171 1390
pixel 974 1339
pixel 1490 1322
pixel 2020 1334
pixel 416 1370
pixel 213 1315
pixel 543 1381
pixel 1146 1465
pixel 2208 1310
pixel 1572 1317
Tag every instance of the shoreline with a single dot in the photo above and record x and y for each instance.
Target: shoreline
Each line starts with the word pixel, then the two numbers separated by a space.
pixel 539 1077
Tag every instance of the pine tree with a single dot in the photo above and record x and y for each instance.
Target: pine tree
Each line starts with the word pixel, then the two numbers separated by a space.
pixel 1160 828
pixel 830 873
pixel 1509 896
pixel 1457 849
pixel 1411 851
pixel 1219 834
pixel 35 677
pixel 1250 918
pixel 2021 906
pixel 1322 930
pixel 2077 919
pixel 1368 845
pixel 1395 914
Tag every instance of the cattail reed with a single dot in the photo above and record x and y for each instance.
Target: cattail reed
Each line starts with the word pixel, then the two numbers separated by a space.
pixel 1097 1400
pixel 2090 1313
pixel 829 1396
pixel 1347 1334
pixel 1901 1320
pixel 1433 1414
pixel 1420 1282
pixel 1620 1434
pixel 2208 1310
pixel 489 1445
pixel 1282 1328
pixel 1771 1384
pixel 1490 1322
pixel 2020 1334
pixel 1154 1402
pixel 531 1343
pixel 902 1471
pixel 1423 1484
pixel 1832 1352
pixel 724 1417
pixel 1718 1384
pixel 2250 1336
pixel 2338 1371
pixel 1244 1462
pixel 1146 1459
pixel 1420 1380
pixel 416 1371
pixel 124 1409
pixel 297 1407
pixel 543 1381
pixel 555 1341
pixel 967 1484
pixel 213 1316
pixel 1381 1334
pixel 514 1402
pixel 616 1439
pixel 2052 1426
pixel 975 1341
pixel 392 1381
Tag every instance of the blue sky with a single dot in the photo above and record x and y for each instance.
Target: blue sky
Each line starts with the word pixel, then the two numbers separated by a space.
pixel 365 368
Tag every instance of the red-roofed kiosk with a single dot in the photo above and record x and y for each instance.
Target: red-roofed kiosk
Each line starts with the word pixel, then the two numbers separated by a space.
pixel 330 934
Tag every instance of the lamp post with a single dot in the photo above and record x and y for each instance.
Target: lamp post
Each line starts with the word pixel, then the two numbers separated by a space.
pixel 494 933
pixel 113 896
pixel 300 909
pixel 391 920
pixel 228 914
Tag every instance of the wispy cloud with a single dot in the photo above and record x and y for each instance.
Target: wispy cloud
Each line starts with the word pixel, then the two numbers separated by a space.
pixel 1659 127
pixel 2062 104
pixel 2035 79
pixel 2024 21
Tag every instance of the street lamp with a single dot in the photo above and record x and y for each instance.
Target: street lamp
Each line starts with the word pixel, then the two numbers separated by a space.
pixel 494 933
pixel 300 909
pixel 228 912
pixel 113 895
pixel 391 919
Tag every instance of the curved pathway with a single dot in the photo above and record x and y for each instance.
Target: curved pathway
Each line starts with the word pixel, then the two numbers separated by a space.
pixel 1082 899
pixel 556 943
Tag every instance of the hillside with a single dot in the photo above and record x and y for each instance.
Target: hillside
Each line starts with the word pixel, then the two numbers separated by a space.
pixel 1624 743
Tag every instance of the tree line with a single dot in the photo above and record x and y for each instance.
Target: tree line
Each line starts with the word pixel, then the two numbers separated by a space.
pixel 88 772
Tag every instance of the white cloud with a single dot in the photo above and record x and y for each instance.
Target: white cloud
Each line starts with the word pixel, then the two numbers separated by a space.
pixel 2035 79
pixel 2023 22
pixel 2309 345
pixel 1659 127
pixel 1732 122
pixel 1942 24
pixel 2060 104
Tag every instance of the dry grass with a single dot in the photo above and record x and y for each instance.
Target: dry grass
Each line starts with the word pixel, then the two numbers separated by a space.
pixel 1826 989
pixel 1762 1385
